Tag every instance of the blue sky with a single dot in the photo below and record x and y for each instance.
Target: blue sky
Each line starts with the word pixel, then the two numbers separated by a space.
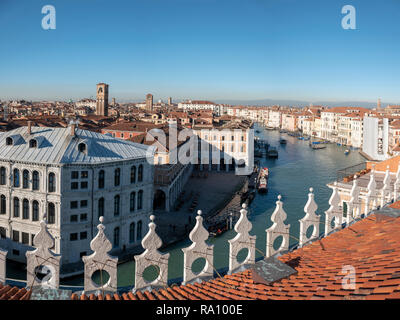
pixel 201 49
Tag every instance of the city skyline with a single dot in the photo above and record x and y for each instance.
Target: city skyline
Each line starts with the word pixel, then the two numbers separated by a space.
pixel 286 51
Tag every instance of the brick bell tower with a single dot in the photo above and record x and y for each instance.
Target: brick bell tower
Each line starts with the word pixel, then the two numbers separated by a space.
pixel 102 99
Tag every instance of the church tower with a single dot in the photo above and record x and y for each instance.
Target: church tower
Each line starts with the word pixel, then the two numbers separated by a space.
pixel 149 102
pixel 102 99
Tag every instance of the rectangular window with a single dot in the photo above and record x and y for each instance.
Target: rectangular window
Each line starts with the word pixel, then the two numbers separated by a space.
pixel 84 174
pixel 84 185
pixel 74 175
pixel 83 203
pixel 73 237
pixel 83 235
pixel 74 218
pixel 15 235
pixel 74 185
pixel 25 238
pixel 83 217
pixel 15 252
pixel 74 204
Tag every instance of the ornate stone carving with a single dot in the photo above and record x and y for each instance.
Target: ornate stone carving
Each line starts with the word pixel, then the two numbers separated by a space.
pixel 310 219
pixel 334 211
pixel 198 249
pixel 279 228
pixel 371 193
pixel 243 240
pixel 42 257
pixel 3 255
pixel 396 187
pixel 354 207
pixel 386 192
pixel 100 260
pixel 151 257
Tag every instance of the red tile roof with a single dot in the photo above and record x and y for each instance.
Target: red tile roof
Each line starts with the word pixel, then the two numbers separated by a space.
pixel 370 246
pixel 13 293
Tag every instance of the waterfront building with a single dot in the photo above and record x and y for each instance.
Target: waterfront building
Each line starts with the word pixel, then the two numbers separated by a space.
pixel 289 121
pixel 72 176
pixel 376 137
pixel 274 119
pixel 102 99
pixel 227 146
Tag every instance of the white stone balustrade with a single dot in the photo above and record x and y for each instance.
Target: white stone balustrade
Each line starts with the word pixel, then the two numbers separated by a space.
pixel 3 255
pixel 101 261
pixel 278 229
pixel 334 213
pixel 243 240
pixel 199 249
pixel 386 192
pixel 396 187
pixel 151 257
pixel 353 207
pixel 44 260
pixel 310 219
pixel 371 193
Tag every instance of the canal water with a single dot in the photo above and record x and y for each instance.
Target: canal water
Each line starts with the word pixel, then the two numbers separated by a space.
pixel 297 168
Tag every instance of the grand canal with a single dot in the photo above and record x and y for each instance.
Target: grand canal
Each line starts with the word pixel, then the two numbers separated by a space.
pixel 291 175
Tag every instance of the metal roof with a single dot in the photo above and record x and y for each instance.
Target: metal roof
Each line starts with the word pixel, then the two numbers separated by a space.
pixel 57 146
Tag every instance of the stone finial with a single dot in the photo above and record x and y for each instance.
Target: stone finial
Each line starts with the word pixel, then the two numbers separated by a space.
pixel 243 240
pixel 334 211
pixel 151 257
pixel 386 192
pixel 199 249
pixel 3 255
pixel 100 260
pixel 354 207
pixel 279 228
pixel 310 219
pixel 396 187
pixel 371 193
pixel 44 258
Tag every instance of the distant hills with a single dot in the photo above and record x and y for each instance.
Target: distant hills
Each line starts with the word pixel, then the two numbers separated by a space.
pixel 299 103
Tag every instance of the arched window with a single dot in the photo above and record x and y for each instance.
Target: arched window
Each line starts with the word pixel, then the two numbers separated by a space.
pixel 35 180
pixel 25 179
pixel 51 211
pixel 3 233
pixel 3 204
pixel 16 178
pixel 82 147
pixel 35 211
pixel 140 200
pixel 117 177
pixel 16 207
pixel 2 176
pixel 116 205
pixel 344 209
pixel 101 179
pixel 32 143
pixel 139 230
pixel 133 174
pixel 132 233
pixel 140 173
pixel 25 209
pixel 52 182
pixel 132 201
pixel 101 207
pixel 116 237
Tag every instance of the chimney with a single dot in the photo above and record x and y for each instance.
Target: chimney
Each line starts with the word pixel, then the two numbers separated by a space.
pixel 73 127
pixel 29 127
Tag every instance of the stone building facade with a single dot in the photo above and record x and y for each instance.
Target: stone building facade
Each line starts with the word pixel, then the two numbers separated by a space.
pixel 73 177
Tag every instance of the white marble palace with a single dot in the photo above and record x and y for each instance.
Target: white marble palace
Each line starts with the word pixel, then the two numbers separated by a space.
pixel 72 176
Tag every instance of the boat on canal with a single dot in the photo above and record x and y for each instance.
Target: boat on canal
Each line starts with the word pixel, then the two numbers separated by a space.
pixel 282 141
pixel 263 180
pixel 318 146
pixel 347 151
pixel 272 153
